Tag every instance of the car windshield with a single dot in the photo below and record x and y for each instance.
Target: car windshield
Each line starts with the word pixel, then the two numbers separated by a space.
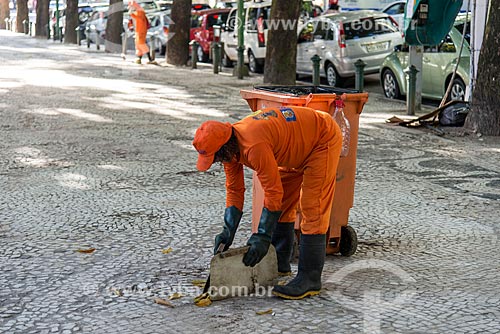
pixel 460 28
pixel 368 27
pixel 148 5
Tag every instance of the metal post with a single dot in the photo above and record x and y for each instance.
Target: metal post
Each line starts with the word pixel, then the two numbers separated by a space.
pixel 87 35
pixel 31 29
pixel 48 31
pixel 360 75
pixel 25 27
pixel 78 36
pixel 416 59
pixel 194 54
pixel 124 44
pixel 57 21
pixel 216 57
pixel 60 34
pixel 412 85
pixel 97 40
pixel 241 47
pixel 152 48
pixel 316 63
pixel 7 23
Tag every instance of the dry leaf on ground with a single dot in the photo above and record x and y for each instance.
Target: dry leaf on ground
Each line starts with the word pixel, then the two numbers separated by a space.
pixel 175 295
pixel 199 282
pixel 163 302
pixel 166 251
pixel 86 251
pixel 117 292
pixel 203 300
pixel 270 311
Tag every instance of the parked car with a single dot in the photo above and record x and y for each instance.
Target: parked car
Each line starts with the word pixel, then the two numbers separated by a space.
pixel 96 24
pixel 164 4
pixel 437 68
pixel 160 23
pixel 340 39
pixel 255 35
pixel 397 11
pixel 200 6
pixel 203 33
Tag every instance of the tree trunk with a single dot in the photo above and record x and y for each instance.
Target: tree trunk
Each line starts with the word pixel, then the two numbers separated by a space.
pixel 4 13
pixel 22 14
pixel 178 44
pixel 71 21
pixel 114 27
pixel 281 48
pixel 42 18
pixel 484 116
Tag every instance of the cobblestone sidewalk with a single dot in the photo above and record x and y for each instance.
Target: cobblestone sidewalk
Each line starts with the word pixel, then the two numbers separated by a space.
pixel 95 153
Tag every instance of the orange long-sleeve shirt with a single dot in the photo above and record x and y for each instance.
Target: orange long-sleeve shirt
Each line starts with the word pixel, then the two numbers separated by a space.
pixel 272 138
pixel 141 24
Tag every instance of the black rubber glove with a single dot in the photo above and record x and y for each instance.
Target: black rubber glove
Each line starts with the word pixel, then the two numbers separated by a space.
pixel 259 242
pixel 232 217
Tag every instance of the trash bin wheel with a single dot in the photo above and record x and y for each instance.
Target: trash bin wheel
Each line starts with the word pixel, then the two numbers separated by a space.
pixel 348 241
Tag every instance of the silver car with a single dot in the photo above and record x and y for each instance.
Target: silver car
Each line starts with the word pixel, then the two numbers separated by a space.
pixel 340 39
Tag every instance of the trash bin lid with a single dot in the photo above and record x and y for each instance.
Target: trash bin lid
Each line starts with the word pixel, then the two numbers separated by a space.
pixel 300 90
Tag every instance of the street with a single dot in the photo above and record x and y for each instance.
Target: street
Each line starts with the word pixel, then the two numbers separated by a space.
pixel 102 209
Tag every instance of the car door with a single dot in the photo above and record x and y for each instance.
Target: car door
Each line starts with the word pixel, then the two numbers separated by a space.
pixel 320 41
pixel 431 71
pixel 305 48
pixel 229 36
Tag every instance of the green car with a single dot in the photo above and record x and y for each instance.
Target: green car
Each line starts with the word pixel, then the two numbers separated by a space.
pixel 438 65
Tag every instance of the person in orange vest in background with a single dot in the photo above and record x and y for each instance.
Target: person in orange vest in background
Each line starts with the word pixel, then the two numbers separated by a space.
pixel 295 152
pixel 141 29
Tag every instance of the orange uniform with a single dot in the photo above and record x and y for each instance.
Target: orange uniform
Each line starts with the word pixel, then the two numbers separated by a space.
pixel 141 30
pixel 295 152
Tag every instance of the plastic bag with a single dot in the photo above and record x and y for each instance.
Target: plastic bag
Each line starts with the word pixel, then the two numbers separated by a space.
pixel 344 125
pixel 454 114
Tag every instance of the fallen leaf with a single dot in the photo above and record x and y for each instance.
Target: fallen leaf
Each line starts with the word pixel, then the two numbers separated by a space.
pixel 175 295
pixel 270 311
pixel 203 300
pixel 117 292
pixel 199 282
pixel 282 282
pixel 163 302
pixel 86 251
pixel 202 296
pixel 166 251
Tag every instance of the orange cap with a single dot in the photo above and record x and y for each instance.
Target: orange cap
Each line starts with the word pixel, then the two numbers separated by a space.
pixel 209 138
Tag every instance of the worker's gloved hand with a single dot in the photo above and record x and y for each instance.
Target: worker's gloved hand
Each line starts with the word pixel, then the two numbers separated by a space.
pixel 232 217
pixel 259 242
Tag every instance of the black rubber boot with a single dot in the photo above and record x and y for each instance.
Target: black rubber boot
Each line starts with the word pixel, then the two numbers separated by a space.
pixel 311 261
pixel 283 238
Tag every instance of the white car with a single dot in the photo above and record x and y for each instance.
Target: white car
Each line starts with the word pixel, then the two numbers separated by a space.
pixel 397 11
pixel 255 38
pixel 340 39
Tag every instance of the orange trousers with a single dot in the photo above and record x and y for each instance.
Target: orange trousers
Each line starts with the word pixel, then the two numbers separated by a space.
pixel 312 188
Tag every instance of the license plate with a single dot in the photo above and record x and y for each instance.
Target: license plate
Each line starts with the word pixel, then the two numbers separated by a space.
pixel 377 47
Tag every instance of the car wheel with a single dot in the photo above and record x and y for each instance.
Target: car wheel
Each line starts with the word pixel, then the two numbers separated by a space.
pixel 332 77
pixel 202 56
pixel 390 85
pixel 226 62
pixel 457 92
pixel 253 64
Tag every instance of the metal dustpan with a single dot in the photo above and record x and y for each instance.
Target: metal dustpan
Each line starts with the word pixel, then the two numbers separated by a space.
pixel 229 277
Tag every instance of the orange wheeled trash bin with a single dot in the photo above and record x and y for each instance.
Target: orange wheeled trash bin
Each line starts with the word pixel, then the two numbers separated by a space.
pixel 341 237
